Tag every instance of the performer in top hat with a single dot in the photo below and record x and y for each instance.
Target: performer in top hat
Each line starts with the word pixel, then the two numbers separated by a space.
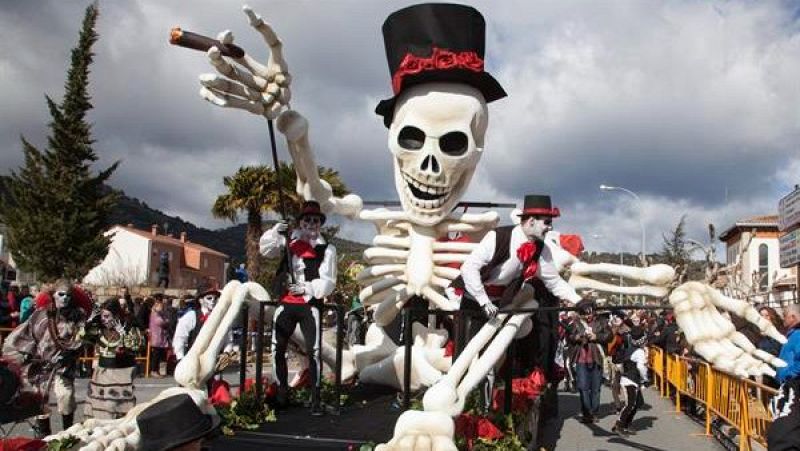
pixel 509 256
pixel 504 260
pixel 312 262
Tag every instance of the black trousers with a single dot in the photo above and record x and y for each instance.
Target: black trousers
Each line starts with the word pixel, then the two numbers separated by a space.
pixel 784 433
pixel 286 319
pixel 632 404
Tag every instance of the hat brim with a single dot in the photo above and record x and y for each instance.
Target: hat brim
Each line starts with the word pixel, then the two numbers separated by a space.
pixel 172 441
pixel 482 81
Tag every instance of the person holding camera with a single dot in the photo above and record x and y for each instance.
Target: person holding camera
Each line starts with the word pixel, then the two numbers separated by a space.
pixel 306 275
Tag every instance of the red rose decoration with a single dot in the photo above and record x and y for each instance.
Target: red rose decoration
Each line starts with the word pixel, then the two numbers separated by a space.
pixel 471 61
pixel 410 64
pixel 220 394
pixel 444 59
pixel 488 431
pixel 572 244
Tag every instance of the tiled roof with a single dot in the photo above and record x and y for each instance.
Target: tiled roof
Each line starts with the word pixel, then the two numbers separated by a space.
pixel 762 221
pixel 767 220
pixel 171 240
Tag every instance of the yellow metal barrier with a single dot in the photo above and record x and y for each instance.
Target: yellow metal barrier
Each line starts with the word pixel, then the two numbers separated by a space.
pixel 742 403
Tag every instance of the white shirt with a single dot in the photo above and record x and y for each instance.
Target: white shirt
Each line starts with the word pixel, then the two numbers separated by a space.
pixel 639 357
pixel 271 245
pixel 184 328
pixel 504 273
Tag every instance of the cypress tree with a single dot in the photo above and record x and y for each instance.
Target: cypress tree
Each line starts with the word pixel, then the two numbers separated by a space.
pixel 55 208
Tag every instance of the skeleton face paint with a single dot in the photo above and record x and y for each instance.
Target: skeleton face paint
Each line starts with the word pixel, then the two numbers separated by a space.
pixel 208 302
pixel 61 298
pixel 106 318
pixel 536 226
pixel 436 139
pixel 309 227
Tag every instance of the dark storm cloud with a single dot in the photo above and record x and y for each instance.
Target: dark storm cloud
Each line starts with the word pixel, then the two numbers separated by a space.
pixel 689 104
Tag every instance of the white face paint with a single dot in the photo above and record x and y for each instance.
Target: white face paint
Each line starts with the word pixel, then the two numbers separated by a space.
pixel 536 226
pixel 61 298
pixel 309 228
pixel 208 302
pixel 436 138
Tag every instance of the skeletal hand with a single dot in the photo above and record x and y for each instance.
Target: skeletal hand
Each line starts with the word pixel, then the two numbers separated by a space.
pixel 249 85
pixel 422 430
pixel 490 310
pixel 715 338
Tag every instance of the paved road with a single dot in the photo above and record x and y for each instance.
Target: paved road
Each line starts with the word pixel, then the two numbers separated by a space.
pixel 659 428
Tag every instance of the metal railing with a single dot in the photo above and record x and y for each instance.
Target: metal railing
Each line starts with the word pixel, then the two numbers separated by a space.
pixel 741 403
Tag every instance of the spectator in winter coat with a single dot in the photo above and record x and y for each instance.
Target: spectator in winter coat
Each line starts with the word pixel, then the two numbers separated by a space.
pixel 784 433
pixel 589 336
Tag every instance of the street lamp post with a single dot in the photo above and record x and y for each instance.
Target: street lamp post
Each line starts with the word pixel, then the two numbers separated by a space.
pixel 641 215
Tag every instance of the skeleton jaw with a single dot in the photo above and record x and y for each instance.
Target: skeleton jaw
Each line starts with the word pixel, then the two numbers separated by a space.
pixel 428 200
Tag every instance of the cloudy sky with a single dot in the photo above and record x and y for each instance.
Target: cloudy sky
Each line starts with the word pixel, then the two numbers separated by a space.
pixel 693 105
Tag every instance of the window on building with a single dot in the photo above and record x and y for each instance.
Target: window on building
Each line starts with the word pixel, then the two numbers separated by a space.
pixel 763 266
pixel 205 262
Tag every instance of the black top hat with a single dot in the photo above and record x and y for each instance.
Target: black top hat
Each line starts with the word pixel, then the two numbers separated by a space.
pixel 172 422
pixel 539 205
pixel 311 208
pixel 436 42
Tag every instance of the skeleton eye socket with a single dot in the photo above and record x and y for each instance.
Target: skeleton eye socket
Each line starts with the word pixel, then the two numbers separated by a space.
pixel 411 138
pixel 454 143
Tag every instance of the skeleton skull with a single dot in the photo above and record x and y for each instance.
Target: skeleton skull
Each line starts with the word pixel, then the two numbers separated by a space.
pixel 436 138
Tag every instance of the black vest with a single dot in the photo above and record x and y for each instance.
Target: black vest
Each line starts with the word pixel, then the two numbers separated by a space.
pixel 502 253
pixel 282 279
pixel 629 368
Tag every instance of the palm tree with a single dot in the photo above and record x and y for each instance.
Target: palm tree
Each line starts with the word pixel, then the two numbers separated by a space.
pixel 253 191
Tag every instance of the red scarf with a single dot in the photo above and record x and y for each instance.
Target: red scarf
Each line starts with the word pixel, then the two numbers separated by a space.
pixel 302 249
pixel 526 254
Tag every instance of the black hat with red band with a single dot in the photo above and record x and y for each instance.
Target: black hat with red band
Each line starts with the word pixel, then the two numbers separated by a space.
pixel 311 208
pixel 436 42
pixel 539 205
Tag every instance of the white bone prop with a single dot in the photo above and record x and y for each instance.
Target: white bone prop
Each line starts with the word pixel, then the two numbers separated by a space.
pixel 192 372
pixel 417 430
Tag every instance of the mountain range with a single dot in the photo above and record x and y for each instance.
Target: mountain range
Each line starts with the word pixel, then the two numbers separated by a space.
pixel 229 240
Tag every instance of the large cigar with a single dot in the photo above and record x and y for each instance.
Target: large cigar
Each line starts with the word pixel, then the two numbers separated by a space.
pixel 199 42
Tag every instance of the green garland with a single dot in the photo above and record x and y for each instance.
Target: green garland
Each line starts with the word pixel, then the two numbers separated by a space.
pixel 245 412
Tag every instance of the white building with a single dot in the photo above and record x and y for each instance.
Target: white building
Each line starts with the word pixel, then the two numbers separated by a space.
pixel 760 261
pixel 133 260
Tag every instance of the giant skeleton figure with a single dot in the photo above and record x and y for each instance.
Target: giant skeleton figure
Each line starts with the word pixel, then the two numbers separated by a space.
pixel 432 171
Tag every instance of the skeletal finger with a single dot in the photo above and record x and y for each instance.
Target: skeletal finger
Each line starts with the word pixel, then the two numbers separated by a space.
pixel 745 310
pixel 423 443
pixel 270 37
pixel 224 100
pixel 284 95
pixel 225 37
pixel 227 69
pixel 224 85
pixel 443 444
